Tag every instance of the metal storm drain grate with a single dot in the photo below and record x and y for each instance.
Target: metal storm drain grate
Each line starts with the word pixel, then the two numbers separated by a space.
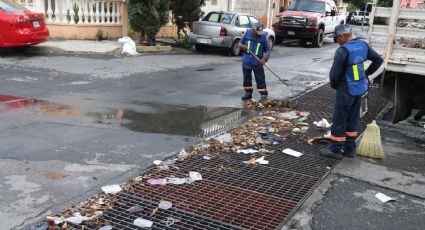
pixel 232 194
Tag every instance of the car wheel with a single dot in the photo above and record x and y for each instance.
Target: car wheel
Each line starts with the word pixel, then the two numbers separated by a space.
pixel 318 39
pixel 199 47
pixel 271 42
pixel 278 40
pixel 235 50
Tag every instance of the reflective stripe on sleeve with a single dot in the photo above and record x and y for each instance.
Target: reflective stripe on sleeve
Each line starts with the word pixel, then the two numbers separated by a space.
pixel 249 46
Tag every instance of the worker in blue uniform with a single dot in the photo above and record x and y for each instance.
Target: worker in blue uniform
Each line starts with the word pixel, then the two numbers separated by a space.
pixel 255 40
pixel 349 77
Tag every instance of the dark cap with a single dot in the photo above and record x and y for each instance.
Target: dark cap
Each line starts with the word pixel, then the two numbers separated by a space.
pixel 258 27
pixel 342 29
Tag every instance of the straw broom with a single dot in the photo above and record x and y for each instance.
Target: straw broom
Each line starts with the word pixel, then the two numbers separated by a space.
pixel 370 144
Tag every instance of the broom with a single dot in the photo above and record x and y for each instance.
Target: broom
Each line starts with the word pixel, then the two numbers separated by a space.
pixel 370 144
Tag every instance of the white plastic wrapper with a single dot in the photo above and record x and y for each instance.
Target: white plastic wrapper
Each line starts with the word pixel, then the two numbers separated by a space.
pixel 129 46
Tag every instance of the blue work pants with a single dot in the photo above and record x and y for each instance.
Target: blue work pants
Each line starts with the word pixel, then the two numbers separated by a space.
pixel 260 79
pixel 345 121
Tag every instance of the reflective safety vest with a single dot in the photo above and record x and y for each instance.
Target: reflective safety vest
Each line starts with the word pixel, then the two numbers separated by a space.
pixel 256 46
pixel 356 67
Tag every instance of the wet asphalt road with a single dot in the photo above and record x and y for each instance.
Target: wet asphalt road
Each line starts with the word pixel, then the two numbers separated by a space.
pixel 71 123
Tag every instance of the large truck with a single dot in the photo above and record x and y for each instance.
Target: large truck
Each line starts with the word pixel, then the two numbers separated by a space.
pixel 398 34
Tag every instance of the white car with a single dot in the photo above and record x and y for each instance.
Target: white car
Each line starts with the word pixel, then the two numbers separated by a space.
pixel 224 29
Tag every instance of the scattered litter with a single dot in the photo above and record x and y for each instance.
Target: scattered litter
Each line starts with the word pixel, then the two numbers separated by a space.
pixel 143 223
pixel 384 198
pixel 164 205
pixel 304 129
pixel 292 152
pixel 251 161
pixel 296 130
pixel 261 161
pixel 302 119
pixel 265 151
pixel 54 219
pixel 170 221
pixel 183 154
pixel 271 138
pixel 322 124
pixel 112 189
pixel 269 118
pixel 327 135
pixel 157 182
pixel 225 138
pixel 206 157
pixel 289 115
pixel 328 168
pixel 129 46
pixel 134 210
pixel 108 227
pixel 303 114
pixel 195 176
pixel 138 179
pixel 78 219
pixel 177 181
pixel 247 151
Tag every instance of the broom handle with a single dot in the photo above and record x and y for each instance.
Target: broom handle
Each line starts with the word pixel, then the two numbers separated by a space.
pixel 280 79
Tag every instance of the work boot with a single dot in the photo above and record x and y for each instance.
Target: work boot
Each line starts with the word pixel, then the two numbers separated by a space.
pixel 349 153
pixel 330 154
pixel 263 97
pixel 247 96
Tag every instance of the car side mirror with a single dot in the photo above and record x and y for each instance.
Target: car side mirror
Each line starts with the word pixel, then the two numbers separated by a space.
pixel 333 12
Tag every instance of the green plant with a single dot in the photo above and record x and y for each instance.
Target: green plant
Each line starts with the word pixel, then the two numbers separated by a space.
pixel 99 35
pixel 148 16
pixel 185 12
pixel 183 42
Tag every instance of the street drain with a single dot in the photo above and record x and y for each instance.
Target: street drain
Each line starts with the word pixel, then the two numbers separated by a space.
pixel 233 195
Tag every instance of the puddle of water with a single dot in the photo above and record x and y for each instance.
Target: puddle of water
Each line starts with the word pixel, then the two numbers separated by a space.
pixel 199 121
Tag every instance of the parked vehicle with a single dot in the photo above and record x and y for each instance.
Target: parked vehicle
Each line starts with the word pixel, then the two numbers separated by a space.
pixel 224 29
pixel 361 18
pixel 398 37
pixel 350 17
pixel 20 27
pixel 309 21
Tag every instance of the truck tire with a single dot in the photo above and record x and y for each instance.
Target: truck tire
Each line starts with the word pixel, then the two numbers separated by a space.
pixel 235 50
pixel 199 47
pixel 318 39
pixel 278 40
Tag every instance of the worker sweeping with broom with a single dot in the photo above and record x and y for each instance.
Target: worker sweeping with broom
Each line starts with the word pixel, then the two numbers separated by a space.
pixel 257 50
pixel 349 77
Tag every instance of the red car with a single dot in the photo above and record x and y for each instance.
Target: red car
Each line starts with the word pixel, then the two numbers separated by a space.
pixel 20 27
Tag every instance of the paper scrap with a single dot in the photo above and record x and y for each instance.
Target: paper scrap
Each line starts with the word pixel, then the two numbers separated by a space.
pixel 247 151
pixel 384 198
pixel 111 189
pixel 195 176
pixel 292 152
pixel 261 161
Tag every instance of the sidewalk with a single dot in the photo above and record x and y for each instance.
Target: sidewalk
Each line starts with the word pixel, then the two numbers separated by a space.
pixel 102 47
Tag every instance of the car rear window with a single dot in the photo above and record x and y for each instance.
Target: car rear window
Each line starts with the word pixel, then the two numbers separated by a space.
pixel 10 6
pixel 219 17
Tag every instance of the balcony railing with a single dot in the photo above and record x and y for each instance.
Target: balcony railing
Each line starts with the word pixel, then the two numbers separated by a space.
pixel 80 11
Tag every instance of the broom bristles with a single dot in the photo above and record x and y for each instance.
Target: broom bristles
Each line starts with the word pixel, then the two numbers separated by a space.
pixel 370 144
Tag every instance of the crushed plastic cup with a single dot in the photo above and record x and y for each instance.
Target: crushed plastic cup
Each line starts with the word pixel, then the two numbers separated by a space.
pixel 195 176
pixel 157 182
pixel 165 205
pixel 261 161
pixel 176 180
pixel 143 223
pixel 112 189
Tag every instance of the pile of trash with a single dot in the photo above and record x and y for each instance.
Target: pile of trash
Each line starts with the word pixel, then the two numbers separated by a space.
pixel 275 124
pixel 412 42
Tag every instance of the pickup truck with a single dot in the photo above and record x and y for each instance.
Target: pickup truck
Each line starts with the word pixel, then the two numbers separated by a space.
pixel 361 18
pixel 398 35
pixel 308 20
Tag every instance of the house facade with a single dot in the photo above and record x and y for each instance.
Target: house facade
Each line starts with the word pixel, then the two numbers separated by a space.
pixel 88 19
